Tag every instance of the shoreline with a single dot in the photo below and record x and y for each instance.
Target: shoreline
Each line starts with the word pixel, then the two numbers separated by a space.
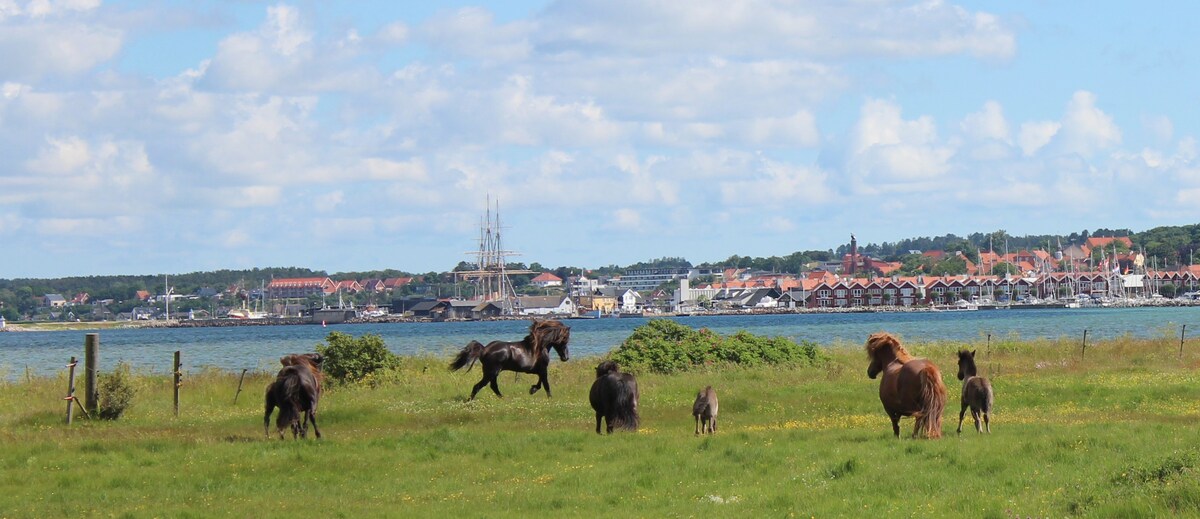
pixel 20 327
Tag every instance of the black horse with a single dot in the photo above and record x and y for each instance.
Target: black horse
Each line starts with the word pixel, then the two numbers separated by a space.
pixel 529 355
pixel 614 396
pixel 295 392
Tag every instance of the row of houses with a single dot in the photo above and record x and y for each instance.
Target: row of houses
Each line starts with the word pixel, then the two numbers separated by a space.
pixel 823 290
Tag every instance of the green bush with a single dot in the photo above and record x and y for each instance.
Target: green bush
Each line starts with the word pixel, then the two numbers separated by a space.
pixel 349 359
pixel 116 392
pixel 665 346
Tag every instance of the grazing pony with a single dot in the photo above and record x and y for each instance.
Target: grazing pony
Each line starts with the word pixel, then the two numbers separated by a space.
pixel 295 393
pixel 976 392
pixel 909 387
pixel 529 355
pixel 614 396
pixel 312 362
pixel 705 411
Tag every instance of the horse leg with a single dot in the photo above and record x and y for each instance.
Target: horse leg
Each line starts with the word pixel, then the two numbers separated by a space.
pixel 987 422
pixel 482 382
pixel 534 388
pixel 312 416
pixel 698 425
pixel 961 414
pixel 975 415
pixel 712 425
pixel 895 424
pixel 495 386
pixel 598 417
pixel 267 419
pixel 544 382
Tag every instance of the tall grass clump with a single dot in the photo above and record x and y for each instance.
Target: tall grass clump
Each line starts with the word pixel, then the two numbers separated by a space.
pixel 665 346
pixel 349 359
pixel 116 392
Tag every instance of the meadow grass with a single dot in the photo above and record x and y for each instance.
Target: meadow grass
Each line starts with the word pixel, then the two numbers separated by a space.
pixel 1109 434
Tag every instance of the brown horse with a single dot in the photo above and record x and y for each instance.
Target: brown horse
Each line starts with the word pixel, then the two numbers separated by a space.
pixel 704 410
pixel 312 362
pixel 976 392
pixel 295 393
pixel 910 386
pixel 529 355
pixel 614 397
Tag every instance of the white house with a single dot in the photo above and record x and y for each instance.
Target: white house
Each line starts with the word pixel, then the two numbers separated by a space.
pixel 546 279
pixel 546 305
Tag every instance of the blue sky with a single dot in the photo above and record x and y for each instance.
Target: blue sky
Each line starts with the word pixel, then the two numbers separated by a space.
pixel 167 137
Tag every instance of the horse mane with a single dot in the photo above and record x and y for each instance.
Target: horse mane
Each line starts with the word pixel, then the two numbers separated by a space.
pixel 310 361
pixel 607 367
pixel 879 340
pixel 969 356
pixel 544 334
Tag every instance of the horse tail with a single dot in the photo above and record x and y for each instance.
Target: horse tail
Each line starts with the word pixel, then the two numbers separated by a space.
pixel 987 396
pixel 933 402
pixel 625 414
pixel 467 356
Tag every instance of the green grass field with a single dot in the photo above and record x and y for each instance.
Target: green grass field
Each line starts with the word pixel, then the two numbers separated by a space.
pixel 1110 435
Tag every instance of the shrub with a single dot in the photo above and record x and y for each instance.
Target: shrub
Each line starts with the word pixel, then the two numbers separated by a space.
pixel 349 359
pixel 116 392
pixel 665 346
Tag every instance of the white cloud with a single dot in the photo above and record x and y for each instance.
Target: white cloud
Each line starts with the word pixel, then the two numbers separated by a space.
pixel 34 51
pixel 49 8
pixel 778 184
pixel 800 129
pixel 756 28
pixel 988 123
pixel 1035 135
pixel 1085 128
pixel 384 169
pixel 626 218
pixel 891 154
pixel 61 156
pixel 329 202
pixel 1159 126
pixel 471 32
pixel 394 33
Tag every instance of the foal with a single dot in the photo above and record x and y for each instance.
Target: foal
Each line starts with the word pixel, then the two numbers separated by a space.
pixel 705 411
pixel 976 392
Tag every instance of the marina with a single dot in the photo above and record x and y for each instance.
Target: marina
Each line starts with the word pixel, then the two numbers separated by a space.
pixel 259 347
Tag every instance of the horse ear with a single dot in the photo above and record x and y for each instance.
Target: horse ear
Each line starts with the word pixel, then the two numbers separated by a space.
pixel 973 353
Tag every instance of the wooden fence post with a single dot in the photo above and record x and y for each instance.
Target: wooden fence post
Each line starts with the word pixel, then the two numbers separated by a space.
pixel 91 359
pixel 178 376
pixel 73 402
pixel 1182 333
pixel 1083 352
pixel 71 391
pixel 239 390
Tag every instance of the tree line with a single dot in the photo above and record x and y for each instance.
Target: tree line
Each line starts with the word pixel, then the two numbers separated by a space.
pixel 1165 247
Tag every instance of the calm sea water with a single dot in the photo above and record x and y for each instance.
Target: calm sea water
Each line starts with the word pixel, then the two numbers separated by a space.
pixel 259 347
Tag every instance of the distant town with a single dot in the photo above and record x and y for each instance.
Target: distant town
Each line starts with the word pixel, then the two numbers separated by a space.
pixel 1096 271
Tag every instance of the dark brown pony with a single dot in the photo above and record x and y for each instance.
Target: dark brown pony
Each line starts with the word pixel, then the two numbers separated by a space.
pixel 295 393
pixel 704 410
pixel 614 397
pixel 529 355
pixel 976 392
pixel 312 362
pixel 910 386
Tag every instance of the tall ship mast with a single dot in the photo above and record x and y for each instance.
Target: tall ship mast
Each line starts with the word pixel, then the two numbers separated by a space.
pixel 491 265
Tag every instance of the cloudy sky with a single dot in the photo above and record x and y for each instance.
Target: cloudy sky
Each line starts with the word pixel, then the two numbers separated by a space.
pixel 142 137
